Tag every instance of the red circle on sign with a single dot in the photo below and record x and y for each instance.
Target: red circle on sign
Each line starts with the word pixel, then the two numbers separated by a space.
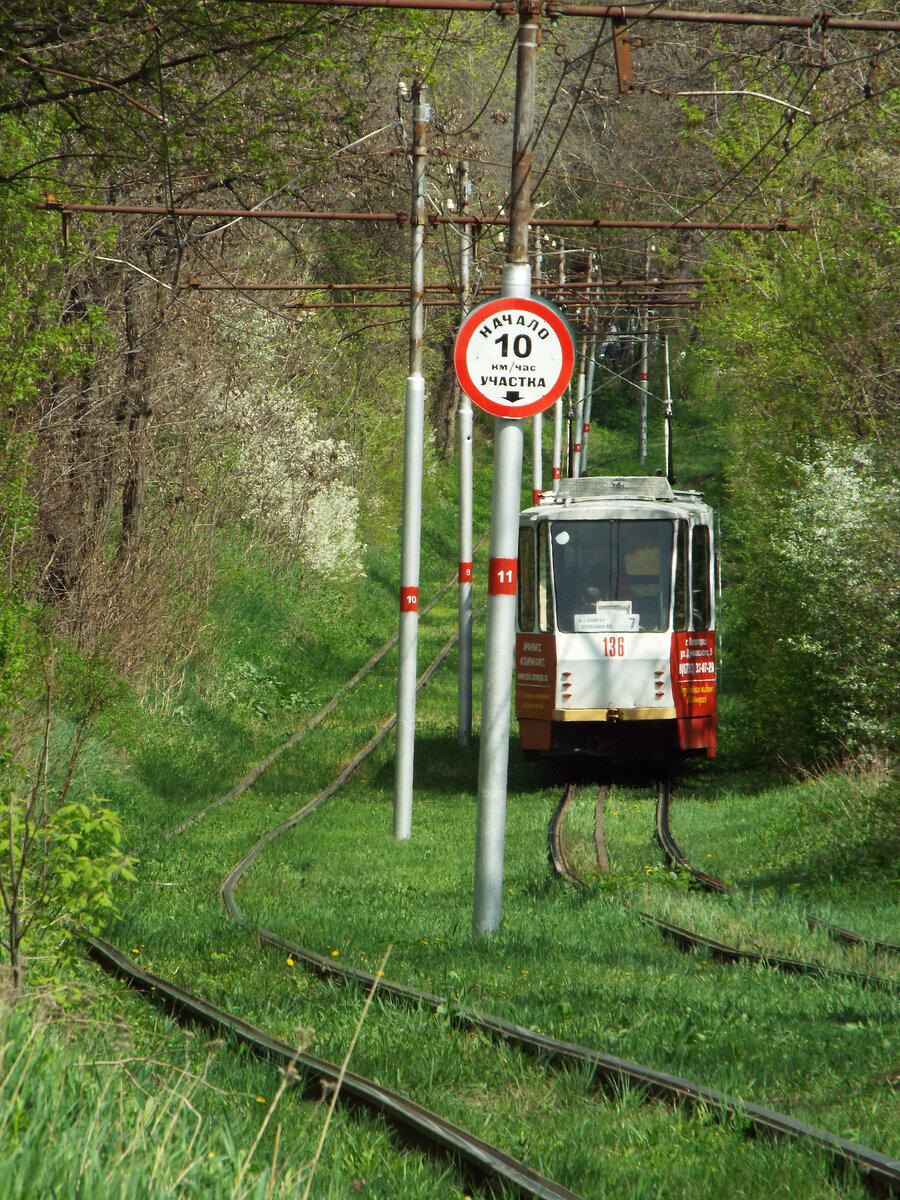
pixel 512 380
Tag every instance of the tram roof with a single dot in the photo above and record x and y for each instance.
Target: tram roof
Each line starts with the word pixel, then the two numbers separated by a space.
pixel 608 495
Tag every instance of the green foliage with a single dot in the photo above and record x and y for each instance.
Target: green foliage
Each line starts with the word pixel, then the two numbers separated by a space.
pixel 36 341
pixel 83 844
pixel 58 868
pixel 103 1103
pixel 799 333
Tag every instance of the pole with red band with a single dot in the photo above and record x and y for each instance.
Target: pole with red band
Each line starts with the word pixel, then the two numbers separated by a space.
pixel 509 445
pixel 464 419
pixel 413 449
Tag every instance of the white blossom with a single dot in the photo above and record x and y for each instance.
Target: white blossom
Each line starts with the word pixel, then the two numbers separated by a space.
pixel 287 475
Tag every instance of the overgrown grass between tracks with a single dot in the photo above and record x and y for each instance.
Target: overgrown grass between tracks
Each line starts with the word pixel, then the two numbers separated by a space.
pixel 581 967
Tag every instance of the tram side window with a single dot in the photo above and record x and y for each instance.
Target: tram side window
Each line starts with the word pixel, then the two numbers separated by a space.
pixel 682 585
pixel 526 590
pixel 701 590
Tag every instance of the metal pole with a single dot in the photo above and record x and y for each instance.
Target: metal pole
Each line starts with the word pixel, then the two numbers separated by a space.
pixel 588 397
pixel 667 402
pixel 578 431
pixel 558 405
pixel 578 419
pixel 642 375
pixel 413 442
pixel 537 421
pixel 464 440
pixel 509 437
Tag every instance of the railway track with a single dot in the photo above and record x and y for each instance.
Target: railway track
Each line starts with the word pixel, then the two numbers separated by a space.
pixel 879 1171
pixel 420 1125
pixel 688 939
pixel 677 858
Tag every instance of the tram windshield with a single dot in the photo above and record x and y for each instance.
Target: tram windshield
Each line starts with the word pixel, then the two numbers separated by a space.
pixel 612 574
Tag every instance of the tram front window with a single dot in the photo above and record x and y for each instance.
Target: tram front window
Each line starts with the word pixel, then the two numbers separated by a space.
pixel 612 574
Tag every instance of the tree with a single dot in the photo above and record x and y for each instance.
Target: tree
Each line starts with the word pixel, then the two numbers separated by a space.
pixel 802 334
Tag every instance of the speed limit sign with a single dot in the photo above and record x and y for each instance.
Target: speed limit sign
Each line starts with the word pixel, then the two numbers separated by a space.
pixel 514 356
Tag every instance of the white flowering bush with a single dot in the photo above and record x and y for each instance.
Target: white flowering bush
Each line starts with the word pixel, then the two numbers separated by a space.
pixel 838 546
pixel 290 479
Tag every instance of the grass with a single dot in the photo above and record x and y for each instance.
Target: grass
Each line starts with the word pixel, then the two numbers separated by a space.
pixel 584 968
pixel 137 1108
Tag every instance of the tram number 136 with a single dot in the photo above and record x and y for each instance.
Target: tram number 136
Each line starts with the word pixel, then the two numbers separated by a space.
pixel 614 647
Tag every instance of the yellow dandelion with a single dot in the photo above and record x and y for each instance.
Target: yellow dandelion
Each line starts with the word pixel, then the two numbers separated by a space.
pixel 290 961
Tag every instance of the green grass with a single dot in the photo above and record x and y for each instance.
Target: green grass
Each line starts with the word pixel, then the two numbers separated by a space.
pixel 581 967
pixel 584 969
pixel 121 1104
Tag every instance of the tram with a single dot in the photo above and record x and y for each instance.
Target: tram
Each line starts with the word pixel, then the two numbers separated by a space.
pixel 616 617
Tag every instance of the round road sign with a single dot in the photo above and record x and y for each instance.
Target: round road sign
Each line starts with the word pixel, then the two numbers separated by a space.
pixel 514 356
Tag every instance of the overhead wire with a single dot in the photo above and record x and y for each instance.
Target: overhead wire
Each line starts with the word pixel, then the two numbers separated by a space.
pixel 725 184
pixel 783 127
pixel 490 96
pixel 290 36
pixel 593 54
pixel 599 41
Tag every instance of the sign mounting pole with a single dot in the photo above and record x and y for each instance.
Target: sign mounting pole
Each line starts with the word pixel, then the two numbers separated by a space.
pixel 511 332
pixel 413 443
pixel 537 421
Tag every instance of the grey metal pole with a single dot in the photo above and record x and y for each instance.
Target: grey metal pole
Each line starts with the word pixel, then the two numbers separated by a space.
pixel 579 405
pixel 537 421
pixel 464 442
pixel 588 398
pixel 509 437
pixel 642 375
pixel 558 406
pixel 413 442
pixel 585 343
pixel 667 405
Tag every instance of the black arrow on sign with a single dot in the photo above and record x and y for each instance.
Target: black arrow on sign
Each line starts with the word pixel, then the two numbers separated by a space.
pixel 512 397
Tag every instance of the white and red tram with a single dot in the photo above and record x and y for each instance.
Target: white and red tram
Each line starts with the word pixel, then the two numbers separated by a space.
pixel 615 643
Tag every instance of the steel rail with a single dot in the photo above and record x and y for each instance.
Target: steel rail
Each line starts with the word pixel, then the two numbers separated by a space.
pixel 613 1072
pixel 556 853
pixel 876 1168
pixel 854 939
pixel 316 719
pixel 710 883
pixel 618 12
pixel 687 939
pixel 670 847
pixel 231 880
pixel 473 1152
